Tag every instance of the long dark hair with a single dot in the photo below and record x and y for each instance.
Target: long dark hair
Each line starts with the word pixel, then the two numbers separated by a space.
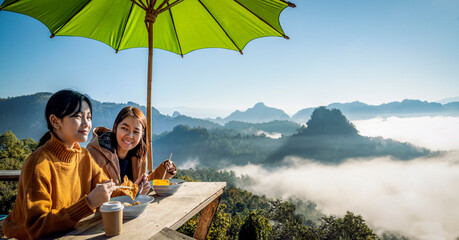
pixel 140 151
pixel 61 104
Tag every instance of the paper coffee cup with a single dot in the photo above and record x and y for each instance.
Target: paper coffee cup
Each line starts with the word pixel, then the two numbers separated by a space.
pixel 112 217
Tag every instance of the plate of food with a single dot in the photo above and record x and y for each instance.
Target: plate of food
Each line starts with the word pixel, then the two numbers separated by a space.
pixel 166 187
pixel 133 208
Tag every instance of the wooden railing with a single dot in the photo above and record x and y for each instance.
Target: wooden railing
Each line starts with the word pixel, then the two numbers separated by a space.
pixel 10 175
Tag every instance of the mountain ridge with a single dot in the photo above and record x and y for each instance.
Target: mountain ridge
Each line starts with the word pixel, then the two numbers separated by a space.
pixel 24 115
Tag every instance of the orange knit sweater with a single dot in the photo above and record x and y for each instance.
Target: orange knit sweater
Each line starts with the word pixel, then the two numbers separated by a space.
pixel 53 189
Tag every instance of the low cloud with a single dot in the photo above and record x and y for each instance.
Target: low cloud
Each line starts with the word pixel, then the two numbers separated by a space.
pixel 418 198
pixel 189 163
pixel 274 135
pixel 435 133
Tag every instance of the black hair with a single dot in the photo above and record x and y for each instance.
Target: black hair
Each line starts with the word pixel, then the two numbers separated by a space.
pixel 62 104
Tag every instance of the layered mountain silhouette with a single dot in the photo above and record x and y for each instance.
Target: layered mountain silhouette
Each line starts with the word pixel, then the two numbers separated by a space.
pixel 330 138
pixel 354 111
pixel 258 114
pixel 406 108
pixel 24 115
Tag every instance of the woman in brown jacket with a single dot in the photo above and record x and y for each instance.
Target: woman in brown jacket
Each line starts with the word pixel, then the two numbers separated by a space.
pixel 122 151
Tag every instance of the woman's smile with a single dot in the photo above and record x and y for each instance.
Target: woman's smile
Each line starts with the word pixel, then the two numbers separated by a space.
pixel 128 135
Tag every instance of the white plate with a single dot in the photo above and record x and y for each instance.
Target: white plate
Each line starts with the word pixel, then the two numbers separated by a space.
pixel 134 210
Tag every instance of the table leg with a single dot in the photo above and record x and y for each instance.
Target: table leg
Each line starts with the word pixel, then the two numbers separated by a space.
pixel 206 219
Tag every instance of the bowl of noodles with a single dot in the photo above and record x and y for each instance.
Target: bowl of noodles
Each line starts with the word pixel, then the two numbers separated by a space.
pixel 133 208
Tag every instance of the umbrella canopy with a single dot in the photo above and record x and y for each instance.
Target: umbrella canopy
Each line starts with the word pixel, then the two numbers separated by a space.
pixel 178 26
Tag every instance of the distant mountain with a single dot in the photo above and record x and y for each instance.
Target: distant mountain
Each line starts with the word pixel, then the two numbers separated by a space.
pixel 406 108
pixel 448 100
pixel 258 114
pixel 24 115
pixel 330 138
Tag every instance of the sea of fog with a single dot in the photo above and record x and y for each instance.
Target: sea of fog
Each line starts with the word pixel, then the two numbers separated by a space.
pixel 418 198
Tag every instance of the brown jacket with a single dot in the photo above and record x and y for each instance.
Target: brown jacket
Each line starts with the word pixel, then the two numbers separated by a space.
pixel 108 160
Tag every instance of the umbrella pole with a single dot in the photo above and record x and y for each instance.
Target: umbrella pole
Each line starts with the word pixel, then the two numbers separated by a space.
pixel 149 83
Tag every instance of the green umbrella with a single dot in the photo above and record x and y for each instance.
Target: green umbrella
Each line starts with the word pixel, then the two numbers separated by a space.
pixel 179 26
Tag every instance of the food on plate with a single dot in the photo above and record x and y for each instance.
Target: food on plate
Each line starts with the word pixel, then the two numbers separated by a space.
pixel 132 192
pixel 126 204
pixel 159 182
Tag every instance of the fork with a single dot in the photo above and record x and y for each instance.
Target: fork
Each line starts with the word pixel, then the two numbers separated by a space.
pixel 140 190
pixel 100 184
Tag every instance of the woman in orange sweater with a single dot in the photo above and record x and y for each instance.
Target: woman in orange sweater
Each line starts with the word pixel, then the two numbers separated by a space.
pixel 123 151
pixel 57 186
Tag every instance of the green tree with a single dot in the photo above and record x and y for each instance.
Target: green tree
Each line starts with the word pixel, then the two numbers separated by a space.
pixel 395 236
pixel 13 152
pixel 8 192
pixel 255 226
pixel 220 224
pixel 286 223
pixel 349 227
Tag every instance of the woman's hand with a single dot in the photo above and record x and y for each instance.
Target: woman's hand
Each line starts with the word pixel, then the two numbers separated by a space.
pixel 143 181
pixel 101 194
pixel 170 167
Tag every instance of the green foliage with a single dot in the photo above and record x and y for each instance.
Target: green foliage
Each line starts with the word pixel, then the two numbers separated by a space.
pixel 13 153
pixel 8 192
pixel 349 227
pixel 286 223
pixel 220 224
pixel 190 226
pixel 218 229
pixel 255 226
pixel 395 236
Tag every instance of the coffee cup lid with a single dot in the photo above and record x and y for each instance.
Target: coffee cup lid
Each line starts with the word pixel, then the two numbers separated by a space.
pixel 112 206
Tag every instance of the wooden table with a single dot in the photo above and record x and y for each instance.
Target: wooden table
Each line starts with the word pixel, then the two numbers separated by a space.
pixel 164 212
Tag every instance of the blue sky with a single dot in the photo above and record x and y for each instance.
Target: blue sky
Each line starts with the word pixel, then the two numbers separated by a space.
pixel 340 51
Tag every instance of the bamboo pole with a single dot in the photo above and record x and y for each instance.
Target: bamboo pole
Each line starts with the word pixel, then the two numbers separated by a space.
pixel 149 83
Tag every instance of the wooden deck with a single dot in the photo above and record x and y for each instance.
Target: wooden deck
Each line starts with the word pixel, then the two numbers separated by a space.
pixel 162 216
